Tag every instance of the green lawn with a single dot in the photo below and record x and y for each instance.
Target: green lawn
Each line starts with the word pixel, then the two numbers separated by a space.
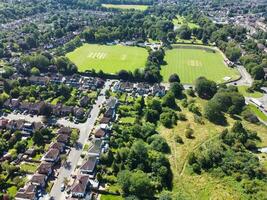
pixel 124 6
pixel 29 167
pixel 110 59
pixel 243 91
pixel 180 20
pixel 127 120
pixel 110 197
pixel 12 191
pixel 257 112
pixel 191 62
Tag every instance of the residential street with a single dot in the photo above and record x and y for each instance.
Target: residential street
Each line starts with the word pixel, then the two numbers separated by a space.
pixel 75 153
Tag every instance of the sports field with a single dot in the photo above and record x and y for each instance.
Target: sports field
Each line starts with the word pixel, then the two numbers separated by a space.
pixel 109 59
pixel 190 62
pixel 125 6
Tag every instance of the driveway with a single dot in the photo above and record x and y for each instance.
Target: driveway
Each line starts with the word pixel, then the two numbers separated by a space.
pixel 75 152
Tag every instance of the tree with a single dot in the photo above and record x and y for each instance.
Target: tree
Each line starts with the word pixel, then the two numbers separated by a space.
pixel 177 89
pixel 168 119
pixel 141 185
pixel 65 66
pixel 155 104
pixel 213 113
pixel 124 180
pixel 38 138
pixel 184 32
pixel 135 183
pixel 74 137
pixel 124 75
pixel 257 72
pixel 205 88
pixel 151 115
pixel 174 78
pixel 35 71
pixel 169 100
pixel 138 155
pixel 189 132
pixel 233 53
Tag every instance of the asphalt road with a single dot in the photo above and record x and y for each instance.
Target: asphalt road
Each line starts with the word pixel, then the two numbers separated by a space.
pixel 75 153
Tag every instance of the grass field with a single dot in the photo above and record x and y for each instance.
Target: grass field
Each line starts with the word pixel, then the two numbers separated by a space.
pixel 180 20
pixel 125 6
pixel 257 112
pixel 243 91
pixel 110 59
pixel 190 62
pixel 204 186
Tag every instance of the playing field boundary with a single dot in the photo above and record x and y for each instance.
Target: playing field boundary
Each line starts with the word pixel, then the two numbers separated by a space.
pixel 192 46
pixel 189 65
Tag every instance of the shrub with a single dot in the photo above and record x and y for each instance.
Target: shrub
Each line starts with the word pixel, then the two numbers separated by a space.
pixel 181 117
pixel 189 132
pixel 178 139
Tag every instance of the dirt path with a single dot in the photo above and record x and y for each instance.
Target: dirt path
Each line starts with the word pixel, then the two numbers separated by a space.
pixel 195 147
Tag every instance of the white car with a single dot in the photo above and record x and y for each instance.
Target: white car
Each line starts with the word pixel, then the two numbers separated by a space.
pixel 62 188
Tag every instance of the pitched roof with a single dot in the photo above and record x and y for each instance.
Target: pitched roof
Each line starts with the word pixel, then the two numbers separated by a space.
pixel 44 168
pixel 100 133
pixel 105 120
pixel 38 179
pixel 57 145
pixel 90 164
pixel 63 138
pixel 28 192
pixel 52 154
pixel 80 184
pixel 64 130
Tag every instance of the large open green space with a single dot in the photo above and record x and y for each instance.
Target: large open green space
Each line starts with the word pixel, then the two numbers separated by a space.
pixel 109 59
pixel 191 62
pixel 126 6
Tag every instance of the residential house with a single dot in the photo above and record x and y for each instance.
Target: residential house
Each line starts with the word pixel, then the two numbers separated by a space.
pixel 142 88
pixel 100 133
pixel 25 106
pixel 111 106
pixel 30 152
pixel 3 123
pixel 57 79
pixel 265 73
pixel 12 103
pixel 66 110
pixel 105 120
pixel 51 156
pixel 39 80
pixel 64 130
pixel 74 80
pixel 2 84
pixel 39 180
pixel 123 87
pixel 45 168
pixel 80 186
pixel 89 166
pixel 158 90
pixel 96 148
pixel 28 192
pixel 38 108
pixel 58 145
pixel 85 100
pixel 79 113
pixel 63 138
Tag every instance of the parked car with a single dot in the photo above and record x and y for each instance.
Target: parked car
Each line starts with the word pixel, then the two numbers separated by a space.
pixel 62 188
